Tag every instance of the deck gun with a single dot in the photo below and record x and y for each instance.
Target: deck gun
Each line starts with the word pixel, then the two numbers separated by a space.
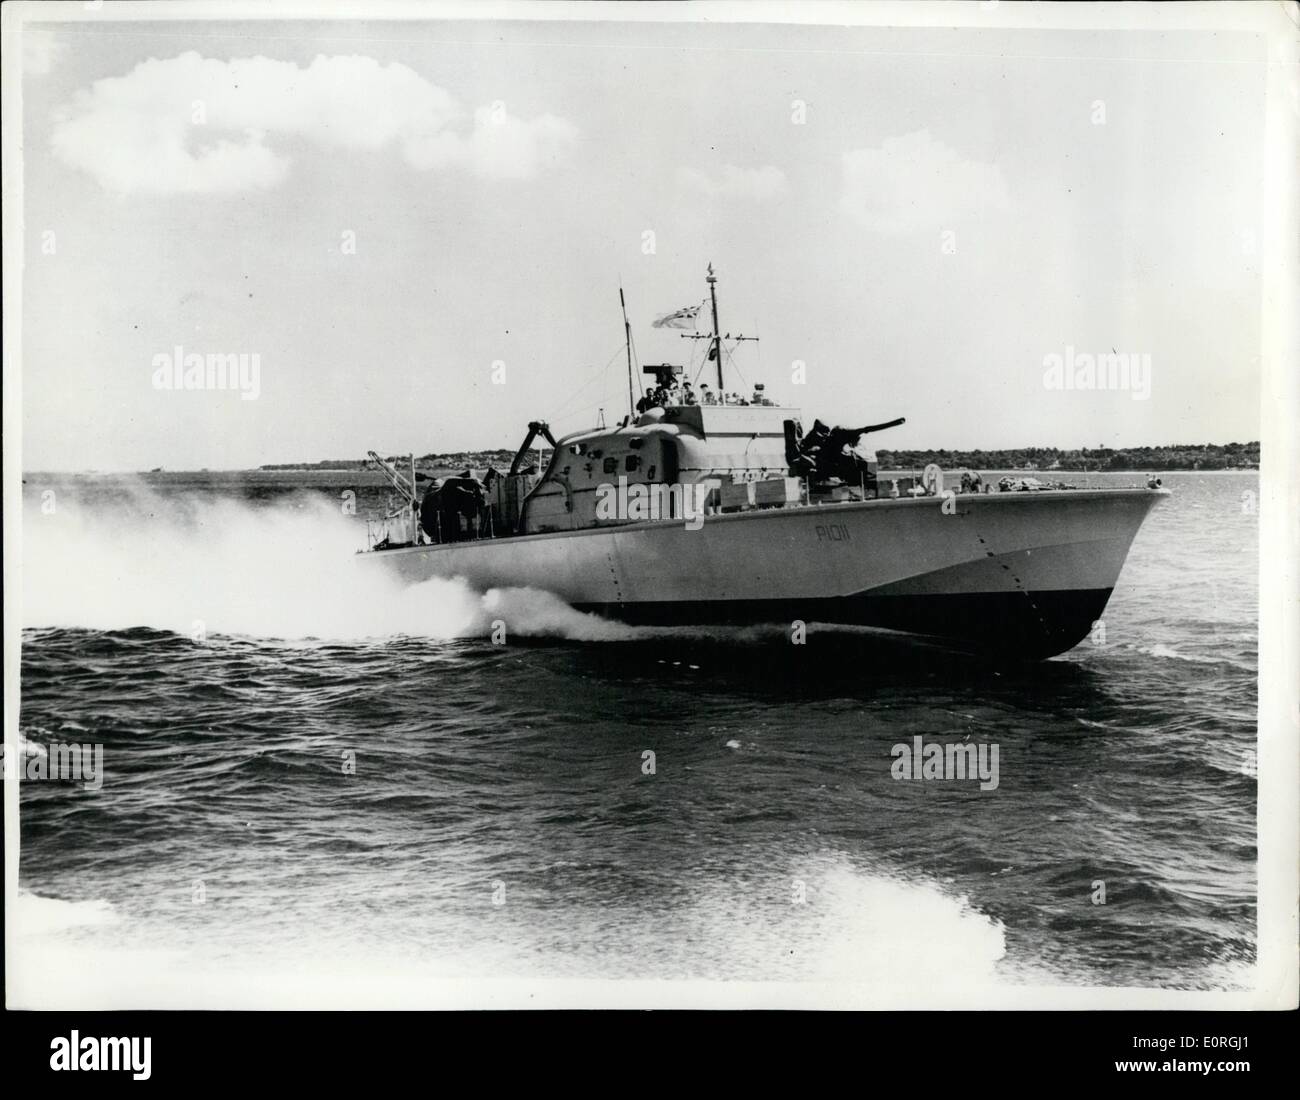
pixel 826 453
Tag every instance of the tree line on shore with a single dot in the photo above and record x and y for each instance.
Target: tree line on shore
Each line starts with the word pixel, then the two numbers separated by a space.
pixel 1178 456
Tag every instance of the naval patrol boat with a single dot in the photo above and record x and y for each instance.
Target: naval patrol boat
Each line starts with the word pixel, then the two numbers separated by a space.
pixel 720 509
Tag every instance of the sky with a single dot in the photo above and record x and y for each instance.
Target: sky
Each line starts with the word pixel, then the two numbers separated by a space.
pixel 419 230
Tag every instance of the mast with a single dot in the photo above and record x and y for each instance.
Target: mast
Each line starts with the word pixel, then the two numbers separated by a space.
pixel 627 335
pixel 717 336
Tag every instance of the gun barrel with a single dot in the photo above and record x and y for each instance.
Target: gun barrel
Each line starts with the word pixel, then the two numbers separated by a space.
pixel 882 427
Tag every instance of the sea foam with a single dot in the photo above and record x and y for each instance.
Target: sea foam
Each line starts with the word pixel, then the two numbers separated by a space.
pixel 212 565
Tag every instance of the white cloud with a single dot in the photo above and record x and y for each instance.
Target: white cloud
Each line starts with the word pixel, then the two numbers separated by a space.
pixel 499 145
pixel 736 183
pixel 915 182
pixel 194 124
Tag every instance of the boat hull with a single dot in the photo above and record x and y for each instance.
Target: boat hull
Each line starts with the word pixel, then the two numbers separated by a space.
pixel 1021 574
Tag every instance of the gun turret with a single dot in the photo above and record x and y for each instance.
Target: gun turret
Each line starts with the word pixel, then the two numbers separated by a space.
pixel 826 453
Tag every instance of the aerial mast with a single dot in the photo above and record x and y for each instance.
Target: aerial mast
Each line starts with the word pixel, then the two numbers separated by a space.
pixel 717 336
pixel 627 335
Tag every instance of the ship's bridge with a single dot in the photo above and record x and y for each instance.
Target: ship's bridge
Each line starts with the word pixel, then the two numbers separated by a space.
pixel 673 445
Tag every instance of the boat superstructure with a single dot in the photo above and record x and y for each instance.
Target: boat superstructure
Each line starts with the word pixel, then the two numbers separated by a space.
pixel 714 508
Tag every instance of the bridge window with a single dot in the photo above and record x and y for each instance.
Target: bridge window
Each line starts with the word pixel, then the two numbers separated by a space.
pixel 631 463
pixel 611 465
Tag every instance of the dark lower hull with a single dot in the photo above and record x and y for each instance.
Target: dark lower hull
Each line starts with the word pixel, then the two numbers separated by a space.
pixel 1028 625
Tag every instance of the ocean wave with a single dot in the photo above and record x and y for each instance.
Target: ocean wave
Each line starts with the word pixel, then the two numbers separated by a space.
pixel 36 915
pixel 29 746
pixel 887 936
pixel 1167 652
pixel 904 934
